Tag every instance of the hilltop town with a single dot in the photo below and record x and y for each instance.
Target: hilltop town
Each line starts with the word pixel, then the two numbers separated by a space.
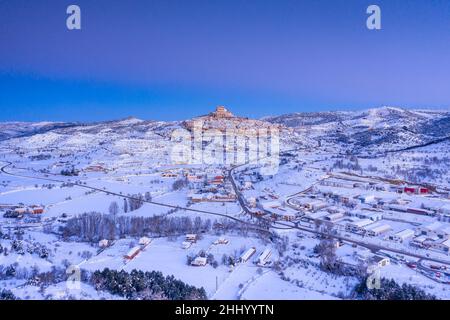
pixel 355 196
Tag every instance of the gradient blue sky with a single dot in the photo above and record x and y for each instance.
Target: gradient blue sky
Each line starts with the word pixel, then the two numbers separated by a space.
pixel 174 59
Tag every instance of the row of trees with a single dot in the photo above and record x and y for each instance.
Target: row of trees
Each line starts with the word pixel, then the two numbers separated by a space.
pixel 134 285
pixel 70 172
pixel 96 226
pixel 132 203
pixel 7 295
pixel 145 285
pixel 19 247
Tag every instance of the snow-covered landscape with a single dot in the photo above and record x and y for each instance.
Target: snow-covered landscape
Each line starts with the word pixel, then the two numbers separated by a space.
pixel 359 204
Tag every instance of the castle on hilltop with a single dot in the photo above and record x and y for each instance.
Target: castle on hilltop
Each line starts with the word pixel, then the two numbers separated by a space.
pixel 222 119
pixel 221 113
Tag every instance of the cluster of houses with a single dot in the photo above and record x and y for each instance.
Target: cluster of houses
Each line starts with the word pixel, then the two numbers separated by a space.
pixel 201 196
pixel 189 240
pixel 15 211
pixel 277 210
pixel 200 261
pixel 212 188
pixel 207 186
pixel 435 236
pixel 96 168
pixel 372 185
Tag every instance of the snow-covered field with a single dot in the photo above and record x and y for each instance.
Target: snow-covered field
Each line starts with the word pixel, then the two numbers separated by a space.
pixel 332 167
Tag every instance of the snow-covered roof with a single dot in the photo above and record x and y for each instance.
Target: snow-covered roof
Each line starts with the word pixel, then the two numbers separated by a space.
pixel 361 223
pixel 132 251
pixel 335 215
pixel 433 226
pixel 405 233
pixel 445 230
pixel 379 228
pixel 200 260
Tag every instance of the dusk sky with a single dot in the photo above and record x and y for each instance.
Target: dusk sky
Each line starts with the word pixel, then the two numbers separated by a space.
pixel 175 59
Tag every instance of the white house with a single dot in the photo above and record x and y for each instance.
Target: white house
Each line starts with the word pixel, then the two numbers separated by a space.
pixel 199 262
pixel 103 243
pixel 144 241
pixel 186 244
pixel 377 262
pixel 191 237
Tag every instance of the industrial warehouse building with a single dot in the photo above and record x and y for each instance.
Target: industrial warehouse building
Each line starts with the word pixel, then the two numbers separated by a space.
pixel 402 235
pixel 376 229
pixel 358 225
pixel 435 230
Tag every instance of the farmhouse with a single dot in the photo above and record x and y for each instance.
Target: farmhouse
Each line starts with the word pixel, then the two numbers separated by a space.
pixel 191 237
pixel 103 243
pixel 30 210
pixel 144 241
pixel 186 244
pixel 196 197
pixel 217 180
pixel 221 241
pixel 94 168
pixel 21 210
pixel 133 253
pixel 199 262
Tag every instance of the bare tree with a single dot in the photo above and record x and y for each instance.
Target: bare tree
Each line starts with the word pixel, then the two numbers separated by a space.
pixel 114 208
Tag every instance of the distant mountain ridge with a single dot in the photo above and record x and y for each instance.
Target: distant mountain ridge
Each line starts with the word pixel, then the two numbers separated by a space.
pixel 385 128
